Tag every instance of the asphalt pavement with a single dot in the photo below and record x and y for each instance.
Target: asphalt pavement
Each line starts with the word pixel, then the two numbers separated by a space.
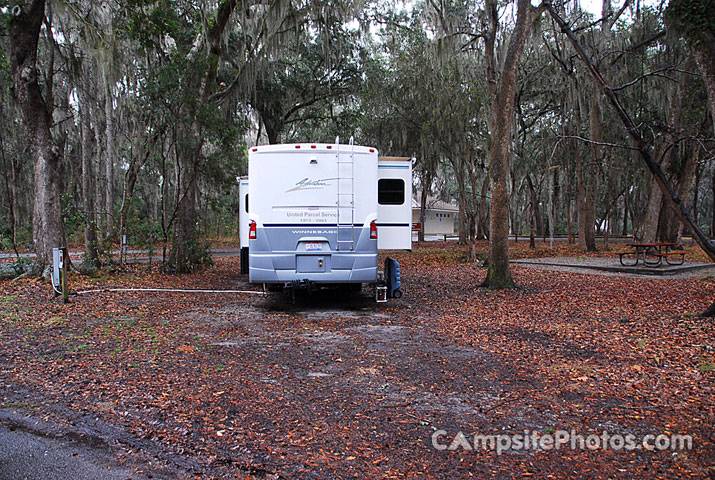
pixel 25 455
pixel 142 255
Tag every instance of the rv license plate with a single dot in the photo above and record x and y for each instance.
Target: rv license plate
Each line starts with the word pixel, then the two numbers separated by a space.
pixel 313 247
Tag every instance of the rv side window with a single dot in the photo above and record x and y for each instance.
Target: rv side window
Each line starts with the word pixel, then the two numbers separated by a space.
pixel 246 202
pixel 390 191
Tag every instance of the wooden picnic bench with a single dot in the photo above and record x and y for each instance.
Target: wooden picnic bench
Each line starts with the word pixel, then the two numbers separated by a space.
pixel 652 254
pixel 666 256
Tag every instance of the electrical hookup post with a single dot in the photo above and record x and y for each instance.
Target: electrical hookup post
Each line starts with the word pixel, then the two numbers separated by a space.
pixel 123 251
pixel 59 273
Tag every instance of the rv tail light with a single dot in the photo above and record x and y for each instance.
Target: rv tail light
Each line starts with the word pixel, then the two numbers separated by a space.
pixel 252 231
pixel 373 230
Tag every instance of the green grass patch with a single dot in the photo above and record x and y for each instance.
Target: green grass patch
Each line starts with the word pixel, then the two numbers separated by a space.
pixel 706 367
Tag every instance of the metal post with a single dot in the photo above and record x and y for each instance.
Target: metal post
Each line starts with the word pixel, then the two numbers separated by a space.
pixel 64 255
pixel 55 278
pixel 123 250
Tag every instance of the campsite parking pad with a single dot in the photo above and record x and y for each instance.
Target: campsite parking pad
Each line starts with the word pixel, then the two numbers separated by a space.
pixel 336 386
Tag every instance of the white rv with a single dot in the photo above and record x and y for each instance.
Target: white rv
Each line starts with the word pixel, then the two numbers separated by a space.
pixel 317 213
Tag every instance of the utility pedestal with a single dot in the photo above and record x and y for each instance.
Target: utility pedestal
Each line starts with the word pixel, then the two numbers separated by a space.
pixel 59 273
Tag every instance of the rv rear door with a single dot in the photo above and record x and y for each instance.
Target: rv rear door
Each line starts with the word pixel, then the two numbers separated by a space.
pixel 243 221
pixel 394 203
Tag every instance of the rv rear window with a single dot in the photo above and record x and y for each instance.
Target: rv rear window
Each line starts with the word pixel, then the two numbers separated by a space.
pixel 390 191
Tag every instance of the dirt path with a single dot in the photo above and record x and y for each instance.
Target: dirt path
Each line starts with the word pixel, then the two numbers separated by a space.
pixel 337 386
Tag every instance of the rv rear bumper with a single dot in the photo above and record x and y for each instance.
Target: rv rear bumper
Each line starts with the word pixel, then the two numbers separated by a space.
pixel 352 268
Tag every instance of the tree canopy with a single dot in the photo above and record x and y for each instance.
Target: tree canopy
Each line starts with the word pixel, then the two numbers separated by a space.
pixel 150 106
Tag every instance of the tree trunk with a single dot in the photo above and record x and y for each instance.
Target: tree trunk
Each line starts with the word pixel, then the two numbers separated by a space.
pixel 47 230
pixel 501 117
pixel 673 227
pixel 91 256
pixel 569 237
pixel 712 220
pixel 514 216
pixel 273 133
pixel 130 180
pixel 532 239
pixel 462 201
pixel 665 154
pixel 110 154
pixel 535 213
pixel 426 182
pixel 569 194
pixel 186 252
pixel 105 61
pixel 588 183
pixel 462 233
pixel 704 54
pixel 555 199
pixel 581 202
pixel 483 231
pixel 470 162
pixel 696 189
pixel 625 214
pixel 10 186
pixel 165 217
pixel 100 192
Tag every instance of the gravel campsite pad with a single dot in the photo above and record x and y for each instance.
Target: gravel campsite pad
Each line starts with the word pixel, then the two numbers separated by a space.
pixel 337 386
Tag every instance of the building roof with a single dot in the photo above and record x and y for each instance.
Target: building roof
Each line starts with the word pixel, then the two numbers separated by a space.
pixel 434 204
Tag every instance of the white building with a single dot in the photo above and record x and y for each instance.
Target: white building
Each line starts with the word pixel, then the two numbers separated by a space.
pixel 440 217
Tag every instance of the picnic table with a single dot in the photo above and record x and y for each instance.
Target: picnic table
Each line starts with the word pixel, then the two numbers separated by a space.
pixel 652 254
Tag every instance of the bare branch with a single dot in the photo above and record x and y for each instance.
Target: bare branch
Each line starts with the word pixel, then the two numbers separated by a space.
pixel 657 73
pixel 643 43
pixel 592 142
pixel 620 12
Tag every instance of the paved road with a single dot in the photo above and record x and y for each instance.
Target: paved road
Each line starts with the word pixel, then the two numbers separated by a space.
pixel 142 255
pixel 133 255
pixel 24 455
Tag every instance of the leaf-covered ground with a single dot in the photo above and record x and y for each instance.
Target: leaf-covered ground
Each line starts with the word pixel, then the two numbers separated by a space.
pixel 336 386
